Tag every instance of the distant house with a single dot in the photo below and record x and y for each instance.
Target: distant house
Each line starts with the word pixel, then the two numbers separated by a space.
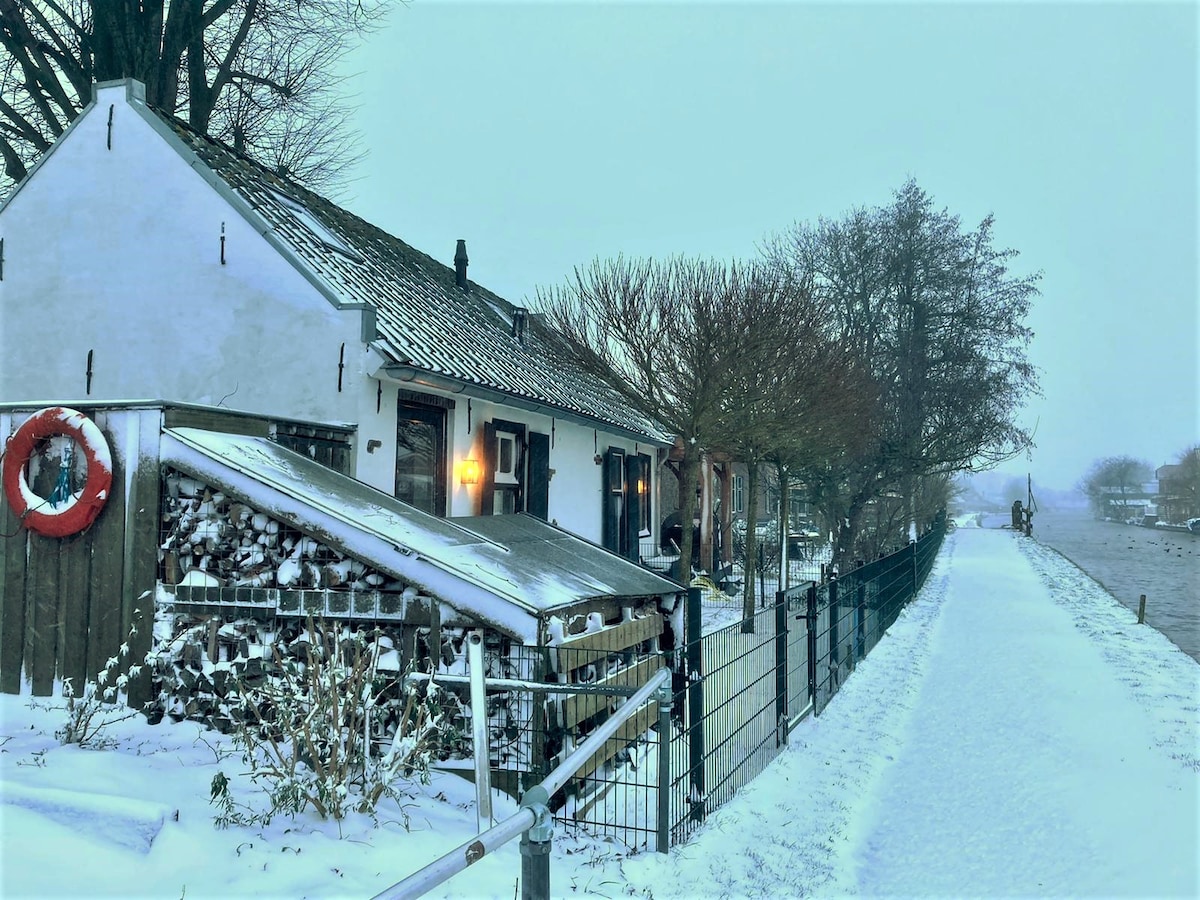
pixel 142 260
pixel 1126 503
pixel 1176 502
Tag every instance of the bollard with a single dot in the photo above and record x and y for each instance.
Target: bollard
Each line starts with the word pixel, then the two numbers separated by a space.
pixel 1142 610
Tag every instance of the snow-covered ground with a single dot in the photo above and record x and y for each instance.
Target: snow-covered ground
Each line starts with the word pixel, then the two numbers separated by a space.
pixel 1016 734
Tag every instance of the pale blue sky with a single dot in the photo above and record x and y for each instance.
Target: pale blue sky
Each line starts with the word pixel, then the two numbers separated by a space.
pixel 547 134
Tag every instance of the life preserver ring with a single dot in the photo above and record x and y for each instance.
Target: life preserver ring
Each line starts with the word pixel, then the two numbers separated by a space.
pixel 78 510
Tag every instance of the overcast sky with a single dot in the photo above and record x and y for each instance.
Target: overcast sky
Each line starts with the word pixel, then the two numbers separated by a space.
pixel 549 134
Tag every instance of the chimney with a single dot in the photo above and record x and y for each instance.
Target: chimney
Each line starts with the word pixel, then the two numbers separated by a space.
pixel 519 317
pixel 460 264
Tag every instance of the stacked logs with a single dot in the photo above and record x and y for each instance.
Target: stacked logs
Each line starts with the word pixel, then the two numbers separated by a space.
pixel 211 539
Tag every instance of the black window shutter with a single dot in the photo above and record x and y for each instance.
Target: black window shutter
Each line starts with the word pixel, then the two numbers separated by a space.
pixel 487 477
pixel 611 500
pixel 633 507
pixel 539 475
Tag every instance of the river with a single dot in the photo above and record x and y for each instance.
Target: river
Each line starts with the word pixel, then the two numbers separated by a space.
pixel 1130 561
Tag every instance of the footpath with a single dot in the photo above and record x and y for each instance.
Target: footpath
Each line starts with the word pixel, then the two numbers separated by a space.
pixel 1015 734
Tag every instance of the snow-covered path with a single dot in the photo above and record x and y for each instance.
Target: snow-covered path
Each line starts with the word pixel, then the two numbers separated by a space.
pixel 1024 769
pixel 1016 734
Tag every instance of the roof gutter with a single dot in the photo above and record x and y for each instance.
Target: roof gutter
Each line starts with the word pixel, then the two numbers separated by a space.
pixel 412 375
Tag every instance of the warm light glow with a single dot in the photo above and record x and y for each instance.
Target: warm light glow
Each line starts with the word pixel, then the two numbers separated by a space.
pixel 468 472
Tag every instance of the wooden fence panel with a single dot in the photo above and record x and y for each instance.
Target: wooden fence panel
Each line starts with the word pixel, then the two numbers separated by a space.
pixel 107 571
pixel 12 597
pixel 578 707
pixel 42 623
pixel 143 514
pixel 75 556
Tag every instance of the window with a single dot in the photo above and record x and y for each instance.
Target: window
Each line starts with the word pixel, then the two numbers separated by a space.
pixel 644 488
pixel 516 470
pixel 739 494
pixel 506 458
pixel 421 456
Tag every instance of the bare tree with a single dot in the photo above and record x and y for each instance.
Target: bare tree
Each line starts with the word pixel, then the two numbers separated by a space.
pixel 1113 482
pixel 657 332
pixel 933 311
pixel 788 397
pixel 259 75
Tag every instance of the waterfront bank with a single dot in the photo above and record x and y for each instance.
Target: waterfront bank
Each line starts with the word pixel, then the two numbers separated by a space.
pixel 1129 561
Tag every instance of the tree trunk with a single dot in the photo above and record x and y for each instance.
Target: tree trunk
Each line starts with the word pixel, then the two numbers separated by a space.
pixel 847 534
pixel 751 560
pixel 688 476
pixel 784 510
pixel 704 482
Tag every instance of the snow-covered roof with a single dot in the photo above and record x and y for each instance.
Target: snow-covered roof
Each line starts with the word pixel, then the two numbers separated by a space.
pixel 503 571
pixel 424 321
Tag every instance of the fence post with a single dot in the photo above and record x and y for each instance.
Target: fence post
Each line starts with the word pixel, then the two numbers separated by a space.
pixel 860 620
pixel 835 661
pixel 665 702
pixel 535 846
pixel 695 689
pixel 912 549
pixel 811 618
pixel 781 668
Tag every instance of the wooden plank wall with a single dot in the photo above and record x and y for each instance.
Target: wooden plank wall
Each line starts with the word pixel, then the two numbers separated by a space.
pixel 67 604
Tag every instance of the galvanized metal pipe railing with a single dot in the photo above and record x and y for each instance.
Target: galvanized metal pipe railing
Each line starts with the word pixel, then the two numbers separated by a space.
pixel 535 811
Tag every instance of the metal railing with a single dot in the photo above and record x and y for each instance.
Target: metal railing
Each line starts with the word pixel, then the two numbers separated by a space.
pixel 534 820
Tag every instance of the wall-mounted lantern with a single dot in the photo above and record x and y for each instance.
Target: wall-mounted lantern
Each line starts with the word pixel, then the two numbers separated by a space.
pixel 468 471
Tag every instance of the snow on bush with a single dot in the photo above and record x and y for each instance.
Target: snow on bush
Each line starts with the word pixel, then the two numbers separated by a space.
pixel 323 721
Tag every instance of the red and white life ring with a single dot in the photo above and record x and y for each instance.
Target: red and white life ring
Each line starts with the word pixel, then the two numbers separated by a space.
pixel 79 510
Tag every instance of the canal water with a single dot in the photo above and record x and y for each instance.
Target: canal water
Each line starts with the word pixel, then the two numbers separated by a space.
pixel 1129 561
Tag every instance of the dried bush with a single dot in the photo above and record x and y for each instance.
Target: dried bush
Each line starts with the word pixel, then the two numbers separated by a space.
pixel 328 728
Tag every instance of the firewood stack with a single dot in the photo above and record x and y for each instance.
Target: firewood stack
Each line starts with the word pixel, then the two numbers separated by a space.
pixel 211 539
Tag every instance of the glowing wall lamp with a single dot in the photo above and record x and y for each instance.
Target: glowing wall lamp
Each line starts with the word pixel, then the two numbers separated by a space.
pixel 468 472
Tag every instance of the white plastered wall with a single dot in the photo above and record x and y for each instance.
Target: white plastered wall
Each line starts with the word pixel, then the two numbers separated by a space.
pixel 117 252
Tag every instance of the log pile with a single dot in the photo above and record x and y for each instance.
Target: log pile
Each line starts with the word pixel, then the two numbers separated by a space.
pixel 210 539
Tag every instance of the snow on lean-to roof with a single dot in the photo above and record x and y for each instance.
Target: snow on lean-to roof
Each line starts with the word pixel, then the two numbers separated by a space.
pixel 504 571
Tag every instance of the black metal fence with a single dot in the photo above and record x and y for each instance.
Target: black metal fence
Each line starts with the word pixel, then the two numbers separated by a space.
pixel 742 691
pixel 737 692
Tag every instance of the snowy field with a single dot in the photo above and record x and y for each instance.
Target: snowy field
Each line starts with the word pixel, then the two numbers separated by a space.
pixel 1015 734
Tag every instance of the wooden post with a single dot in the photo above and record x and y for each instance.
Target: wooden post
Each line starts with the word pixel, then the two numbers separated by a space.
pixel 214 626
pixel 1142 610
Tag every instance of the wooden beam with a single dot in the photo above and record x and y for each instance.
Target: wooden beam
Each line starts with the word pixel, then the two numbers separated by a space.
pixel 618 637
pixel 579 707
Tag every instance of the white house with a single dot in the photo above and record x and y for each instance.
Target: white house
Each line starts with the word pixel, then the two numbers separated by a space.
pixel 141 259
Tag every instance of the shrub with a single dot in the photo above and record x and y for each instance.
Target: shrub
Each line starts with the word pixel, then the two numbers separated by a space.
pixel 99 705
pixel 327 728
